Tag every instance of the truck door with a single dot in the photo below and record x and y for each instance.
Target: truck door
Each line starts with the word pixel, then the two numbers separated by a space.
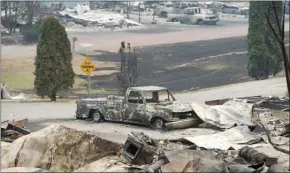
pixel 134 107
pixel 182 16
pixel 190 16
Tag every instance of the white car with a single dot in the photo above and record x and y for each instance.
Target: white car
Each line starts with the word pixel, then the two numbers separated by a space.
pixel 193 15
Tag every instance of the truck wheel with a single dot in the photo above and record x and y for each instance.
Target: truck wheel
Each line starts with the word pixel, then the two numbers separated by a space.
pixel 158 123
pixel 174 20
pixel 96 116
pixel 199 22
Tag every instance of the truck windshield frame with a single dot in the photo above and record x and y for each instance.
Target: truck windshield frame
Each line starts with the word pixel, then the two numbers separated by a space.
pixel 168 96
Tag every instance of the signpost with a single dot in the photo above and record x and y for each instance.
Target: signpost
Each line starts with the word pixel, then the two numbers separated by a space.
pixel 88 67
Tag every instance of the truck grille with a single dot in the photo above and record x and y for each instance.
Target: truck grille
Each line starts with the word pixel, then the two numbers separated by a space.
pixel 182 115
pixel 80 108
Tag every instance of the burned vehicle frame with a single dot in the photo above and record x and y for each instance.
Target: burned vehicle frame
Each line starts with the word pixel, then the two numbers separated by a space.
pixel 135 107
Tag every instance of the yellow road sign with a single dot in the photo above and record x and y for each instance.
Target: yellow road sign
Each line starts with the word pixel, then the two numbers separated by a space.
pixel 88 66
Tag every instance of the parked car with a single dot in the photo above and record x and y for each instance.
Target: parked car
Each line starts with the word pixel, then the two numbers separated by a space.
pixel 147 105
pixel 193 15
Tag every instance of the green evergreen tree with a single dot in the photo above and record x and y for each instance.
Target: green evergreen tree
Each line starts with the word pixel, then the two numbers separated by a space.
pixel 265 56
pixel 275 59
pixel 257 51
pixel 53 62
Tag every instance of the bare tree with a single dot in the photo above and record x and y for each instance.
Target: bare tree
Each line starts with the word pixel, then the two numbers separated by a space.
pixel 280 36
pixel 5 6
pixel 128 71
pixel 31 9
pixel 16 11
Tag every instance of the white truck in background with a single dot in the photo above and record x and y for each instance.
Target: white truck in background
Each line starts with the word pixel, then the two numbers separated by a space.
pixel 173 8
pixel 193 15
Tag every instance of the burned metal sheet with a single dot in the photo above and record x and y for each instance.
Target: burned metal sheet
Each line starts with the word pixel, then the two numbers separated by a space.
pixel 232 138
pixel 195 165
pixel 182 124
pixel 224 116
pixel 13 130
pixel 20 123
pixel 187 154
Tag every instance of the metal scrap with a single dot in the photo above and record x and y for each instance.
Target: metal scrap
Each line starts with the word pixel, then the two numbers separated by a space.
pixel 13 130
pixel 139 149
pixel 253 156
pixel 271 102
pixel 182 124
pixel 194 165
pixel 286 130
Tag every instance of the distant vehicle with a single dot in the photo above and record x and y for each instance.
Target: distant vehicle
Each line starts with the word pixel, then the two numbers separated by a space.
pixel 147 105
pixel 172 8
pixel 193 15
pixel 230 9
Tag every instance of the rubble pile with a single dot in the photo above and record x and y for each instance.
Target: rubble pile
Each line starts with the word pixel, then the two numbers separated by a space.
pixel 149 155
pixel 57 148
pixel 11 131
pixel 240 145
pixel 82 17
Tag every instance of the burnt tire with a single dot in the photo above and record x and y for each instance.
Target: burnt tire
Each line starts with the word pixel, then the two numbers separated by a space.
pixel 174 20
pixel 199 22
pixel 158 123
pixel 96 116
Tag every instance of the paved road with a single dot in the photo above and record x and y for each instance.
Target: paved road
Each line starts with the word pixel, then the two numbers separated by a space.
pixel 149 35
pixel 41 111
pixel 43 114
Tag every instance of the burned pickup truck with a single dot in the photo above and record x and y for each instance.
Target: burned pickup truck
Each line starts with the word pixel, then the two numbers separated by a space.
pixel 147 105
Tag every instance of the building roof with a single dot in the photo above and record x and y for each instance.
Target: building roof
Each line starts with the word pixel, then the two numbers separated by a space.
pixel 148 88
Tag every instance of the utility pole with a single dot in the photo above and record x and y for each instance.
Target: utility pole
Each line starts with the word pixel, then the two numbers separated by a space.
pixel 73 46
pixel 89 79
pixel 128 4
pixel 139 12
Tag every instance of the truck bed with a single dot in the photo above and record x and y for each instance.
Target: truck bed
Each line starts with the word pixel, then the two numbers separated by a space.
pixel 110 98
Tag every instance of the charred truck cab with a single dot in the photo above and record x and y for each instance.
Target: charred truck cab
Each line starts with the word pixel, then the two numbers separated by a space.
pixel 147 105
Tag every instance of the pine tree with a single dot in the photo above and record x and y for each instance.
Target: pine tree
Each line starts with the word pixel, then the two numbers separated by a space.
pixel 265 56
pixel 275 54
pixel 53 62
pixel 257 52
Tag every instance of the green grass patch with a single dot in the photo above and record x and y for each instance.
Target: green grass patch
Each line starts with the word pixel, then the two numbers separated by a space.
pixel 210 67
pixel 18 74
pixel 21 80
